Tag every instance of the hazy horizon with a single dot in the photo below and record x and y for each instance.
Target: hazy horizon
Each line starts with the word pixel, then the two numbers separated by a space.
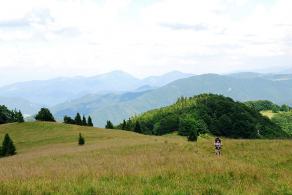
pixel 46 39
pixel 137 77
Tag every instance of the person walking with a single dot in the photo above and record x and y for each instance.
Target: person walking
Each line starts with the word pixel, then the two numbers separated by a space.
pixel 218 145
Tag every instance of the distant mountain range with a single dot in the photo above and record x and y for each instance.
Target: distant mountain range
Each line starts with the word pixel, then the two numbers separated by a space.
pixel 117 95
pixel 55 91
pixel 241 86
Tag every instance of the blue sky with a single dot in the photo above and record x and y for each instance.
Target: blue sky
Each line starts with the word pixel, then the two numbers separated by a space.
pixel 41 39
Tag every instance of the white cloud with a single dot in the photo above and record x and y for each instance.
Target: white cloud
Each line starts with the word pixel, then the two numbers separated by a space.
pixel 46 38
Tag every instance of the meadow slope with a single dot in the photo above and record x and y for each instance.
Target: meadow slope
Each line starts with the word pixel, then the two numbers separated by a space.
pixel 49 161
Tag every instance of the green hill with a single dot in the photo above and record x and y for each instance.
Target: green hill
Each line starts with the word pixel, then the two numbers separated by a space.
pixel 49 161
pixel 211 113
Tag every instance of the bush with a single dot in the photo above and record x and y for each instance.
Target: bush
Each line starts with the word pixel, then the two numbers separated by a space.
pixel 81 140
pixel 45 115
pixel 8 147
pixel 68 120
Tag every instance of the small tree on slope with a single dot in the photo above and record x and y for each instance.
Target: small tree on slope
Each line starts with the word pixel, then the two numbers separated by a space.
pixel 78 120
pixel 81 140
pixel 8 147
pixel 89 122
pixel 44 115
pixel 109 125
pixel 84 123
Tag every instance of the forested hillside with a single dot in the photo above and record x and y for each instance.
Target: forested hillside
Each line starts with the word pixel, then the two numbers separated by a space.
pixel 116 107
pixel 215 114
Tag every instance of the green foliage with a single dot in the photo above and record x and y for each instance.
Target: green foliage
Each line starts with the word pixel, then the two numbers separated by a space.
pixel 8 147
pixel 216 114
pixel 44 115
pixel 68 120
pixel 89 122
pixel 9 116
pixel 261 105
pixel 84 123
pixel 124 125
pixel 77 119
pixel 285 108
pixel 109 125
pixel 137 128
pixel 19 117
pixel 81 140
pixel 284 120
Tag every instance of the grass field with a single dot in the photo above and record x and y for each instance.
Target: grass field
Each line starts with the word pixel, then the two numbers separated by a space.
pixel 49 161
pixel 268 113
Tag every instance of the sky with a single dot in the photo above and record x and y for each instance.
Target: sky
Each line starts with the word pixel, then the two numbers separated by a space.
pixel 42 39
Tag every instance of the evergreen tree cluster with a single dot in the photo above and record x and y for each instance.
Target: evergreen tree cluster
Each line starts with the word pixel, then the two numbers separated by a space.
pixel 205 113
pixel 8 147
pixel 109 125
pixel 10 116
pixel 78 120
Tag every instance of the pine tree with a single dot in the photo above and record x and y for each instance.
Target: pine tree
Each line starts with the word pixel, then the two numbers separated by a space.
pixel 124 125
pixel 19 117
pixel 137 128
pixel 8 147
pixel 109 125
pixel 84 123
pixel 81 140
pixel 78 119
pixel 44 115
pixel 89 121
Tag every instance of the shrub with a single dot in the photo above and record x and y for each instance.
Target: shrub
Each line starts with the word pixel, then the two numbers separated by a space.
pixel 81 140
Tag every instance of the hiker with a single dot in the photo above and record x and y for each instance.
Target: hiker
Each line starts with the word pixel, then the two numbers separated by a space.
pixel 218 146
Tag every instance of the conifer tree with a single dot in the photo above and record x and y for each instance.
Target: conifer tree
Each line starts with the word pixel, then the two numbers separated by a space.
pixel 78 119
pixel 8 147
pixel 44 115
pixel 137 128
pixel 84 123
pixel 19 117
pixel 89 121
pixel 109 125
pixel 124 125
pixel 81 140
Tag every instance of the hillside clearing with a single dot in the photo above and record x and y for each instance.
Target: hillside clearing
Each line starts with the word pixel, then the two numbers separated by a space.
pixel 49 161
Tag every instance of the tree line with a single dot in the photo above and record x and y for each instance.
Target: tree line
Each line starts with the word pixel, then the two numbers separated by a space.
pixel 262 105
pixel 45 115
pixel 205 113
pixel 78 121
pixel 10 116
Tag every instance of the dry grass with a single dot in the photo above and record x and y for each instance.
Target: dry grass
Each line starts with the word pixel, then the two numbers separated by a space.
pixel 117 162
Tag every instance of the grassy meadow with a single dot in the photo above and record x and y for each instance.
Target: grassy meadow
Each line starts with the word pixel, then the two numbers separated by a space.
pixel 49 161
